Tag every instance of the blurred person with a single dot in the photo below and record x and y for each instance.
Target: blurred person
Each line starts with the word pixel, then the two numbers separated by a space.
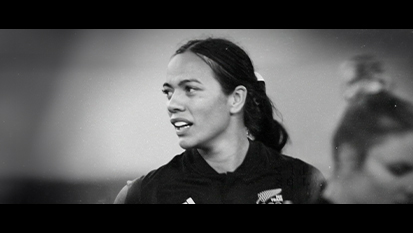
pixel 232 144
pixel 373 143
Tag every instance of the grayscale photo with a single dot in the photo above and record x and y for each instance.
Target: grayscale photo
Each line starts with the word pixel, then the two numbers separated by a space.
pixel 206 116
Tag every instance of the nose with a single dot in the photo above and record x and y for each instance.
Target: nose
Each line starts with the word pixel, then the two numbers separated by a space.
pixel 175 103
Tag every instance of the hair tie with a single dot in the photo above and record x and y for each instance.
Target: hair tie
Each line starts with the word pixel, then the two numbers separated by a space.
pixel 370 87
pixel 259 77
pixel 363 75
pixel 260 81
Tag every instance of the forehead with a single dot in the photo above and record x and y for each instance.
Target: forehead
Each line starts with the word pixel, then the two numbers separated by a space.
pixel 396 148
pixel 188 66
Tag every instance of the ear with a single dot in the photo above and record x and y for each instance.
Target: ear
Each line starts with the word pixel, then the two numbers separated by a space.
pixel 347 160
pixel 237 99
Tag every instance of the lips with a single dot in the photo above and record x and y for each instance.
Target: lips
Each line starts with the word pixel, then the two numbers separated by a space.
pixel 181 124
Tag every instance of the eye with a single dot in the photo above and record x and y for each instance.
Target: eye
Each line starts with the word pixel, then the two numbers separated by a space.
pixel 167 92
pixel 400 169
pixel 190 89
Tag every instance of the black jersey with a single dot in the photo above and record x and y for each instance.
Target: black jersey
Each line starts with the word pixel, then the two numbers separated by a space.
pixel 264 177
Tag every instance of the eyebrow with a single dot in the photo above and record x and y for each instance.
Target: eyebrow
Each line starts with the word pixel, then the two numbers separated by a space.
pixel 183 82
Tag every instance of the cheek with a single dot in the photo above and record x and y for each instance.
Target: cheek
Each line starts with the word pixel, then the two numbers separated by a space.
pixel 379 181
pixel 211 109
pixel 377 172
pixel 211 115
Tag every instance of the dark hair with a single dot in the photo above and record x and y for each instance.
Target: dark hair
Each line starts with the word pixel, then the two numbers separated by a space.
pixel 232 67
pixel 371 115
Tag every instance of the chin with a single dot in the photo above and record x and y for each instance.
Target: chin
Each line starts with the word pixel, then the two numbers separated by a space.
pixel 185 144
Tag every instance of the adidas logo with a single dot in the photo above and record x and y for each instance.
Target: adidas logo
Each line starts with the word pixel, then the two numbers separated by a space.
pixel 189 201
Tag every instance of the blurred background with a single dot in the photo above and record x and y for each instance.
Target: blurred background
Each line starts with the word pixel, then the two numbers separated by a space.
pixel 81 111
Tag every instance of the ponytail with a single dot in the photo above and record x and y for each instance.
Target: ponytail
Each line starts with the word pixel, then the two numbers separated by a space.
pixel 259 117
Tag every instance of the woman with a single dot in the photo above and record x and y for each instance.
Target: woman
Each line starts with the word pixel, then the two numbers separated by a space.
pixel 373 143
pixel 224 121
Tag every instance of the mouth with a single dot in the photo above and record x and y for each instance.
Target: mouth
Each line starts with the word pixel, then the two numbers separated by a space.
pixel 181 125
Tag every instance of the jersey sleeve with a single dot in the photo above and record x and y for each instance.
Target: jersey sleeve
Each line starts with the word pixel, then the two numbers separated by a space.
pixel 121 197
pixel 316 184
pixel 310 182
pixel 132 188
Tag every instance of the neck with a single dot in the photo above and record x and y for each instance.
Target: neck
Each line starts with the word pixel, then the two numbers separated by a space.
pixel 226 156
pixel 338 193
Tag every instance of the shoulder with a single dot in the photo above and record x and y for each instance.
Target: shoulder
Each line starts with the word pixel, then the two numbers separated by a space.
pixel 305 168
pixel 286 162
pixel 308 180
pixel 290 163
pixel 132 191
pixel 122 195
pixel 166 171
pixel 301 169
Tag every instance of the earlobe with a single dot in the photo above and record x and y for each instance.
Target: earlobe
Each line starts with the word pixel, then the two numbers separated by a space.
pixel 238 98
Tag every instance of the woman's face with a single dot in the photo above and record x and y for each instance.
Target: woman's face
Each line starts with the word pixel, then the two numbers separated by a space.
pixel 197 107
pixel 387 175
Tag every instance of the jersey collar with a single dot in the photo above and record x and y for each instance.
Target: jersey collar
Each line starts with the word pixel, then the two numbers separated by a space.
pixel 253 158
